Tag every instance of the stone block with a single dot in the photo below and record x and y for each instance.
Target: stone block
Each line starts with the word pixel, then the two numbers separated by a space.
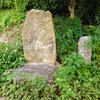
pixel 38 37
pixel 38 69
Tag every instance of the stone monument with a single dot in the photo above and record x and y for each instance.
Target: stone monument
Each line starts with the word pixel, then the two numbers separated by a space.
pixel 39 38
pixel 39 46
pixel 84 48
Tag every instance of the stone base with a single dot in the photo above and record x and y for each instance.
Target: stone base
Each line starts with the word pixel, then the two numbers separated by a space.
pixel 38 69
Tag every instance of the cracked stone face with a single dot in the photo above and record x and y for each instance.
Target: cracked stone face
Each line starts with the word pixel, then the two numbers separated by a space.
pixel 39 38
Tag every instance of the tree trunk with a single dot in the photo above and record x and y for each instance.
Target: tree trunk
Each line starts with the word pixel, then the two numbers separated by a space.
pixel 71 7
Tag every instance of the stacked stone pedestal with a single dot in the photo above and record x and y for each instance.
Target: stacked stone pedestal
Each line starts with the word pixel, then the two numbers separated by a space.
pixel 39 45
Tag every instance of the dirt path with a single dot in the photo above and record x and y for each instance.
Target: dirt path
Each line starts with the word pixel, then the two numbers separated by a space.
pixel 3 38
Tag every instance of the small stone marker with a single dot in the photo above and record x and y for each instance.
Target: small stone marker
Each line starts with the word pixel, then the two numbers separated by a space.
pixel 39 38
pixel 84 48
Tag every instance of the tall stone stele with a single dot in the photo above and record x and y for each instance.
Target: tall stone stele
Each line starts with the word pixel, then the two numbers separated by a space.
pixel 38 37
pixel 84 48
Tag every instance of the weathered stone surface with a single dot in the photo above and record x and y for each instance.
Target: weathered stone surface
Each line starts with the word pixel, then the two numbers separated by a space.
pixel 38 69
pixel 39 38
pixel 2 98
pixel 84 48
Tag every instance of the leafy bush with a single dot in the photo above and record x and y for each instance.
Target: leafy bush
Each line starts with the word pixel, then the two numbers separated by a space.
pixel 1 4
pixel 11 57
pixel 68 31
pixel 8 3
pixel 74 80
pixel 36 89
pixel 18 4
pixel 96 44
pixel 77 80
pixel 11 18
pixel 89 11
pixel 97 16
pixel 93 32
pixel 54 6
pixel 37 4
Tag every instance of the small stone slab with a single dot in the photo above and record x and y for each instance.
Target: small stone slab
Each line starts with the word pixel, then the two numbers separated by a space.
pixel 39 38
pixel 84 48
pixel 38 69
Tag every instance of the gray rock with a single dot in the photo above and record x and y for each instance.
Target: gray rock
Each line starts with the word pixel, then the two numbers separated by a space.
pixel 38 69
pixel 2 98
pixel 38 37
pixel 84 48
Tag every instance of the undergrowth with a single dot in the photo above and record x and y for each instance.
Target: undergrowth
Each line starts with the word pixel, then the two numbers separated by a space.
pixel 11 56
pixel 11 18
pixel 36 89
pixel 75 80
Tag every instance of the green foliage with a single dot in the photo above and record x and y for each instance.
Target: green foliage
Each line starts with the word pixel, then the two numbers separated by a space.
pixel 89 11
pixel 17 4
pixel 55 6
pixel 11 56
pixel 1 4
pixel 36 89
pixel 37 4
pixel 96 44
pixel 14 16
pixel 68 31
pixel 20 5
pixel 98 14
pixel 11 18
pixel 77 80
pixel 94 33
pixel 8 4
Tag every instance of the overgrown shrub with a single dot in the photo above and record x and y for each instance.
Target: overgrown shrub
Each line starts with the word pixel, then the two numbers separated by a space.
pixel 68 31
pixel 89 11
pixel 95 35
pixel 11 56
pixel 15 16
pixel 8 4
pixel 54 6
pixel 1 4
pixel 77 80
pixel 93 32
pixel 11 4
pixel 11 18
pixel 36 89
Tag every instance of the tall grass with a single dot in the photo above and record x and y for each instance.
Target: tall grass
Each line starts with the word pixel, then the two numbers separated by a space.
pixel 20 4
pixel 13 3
pixel 1 4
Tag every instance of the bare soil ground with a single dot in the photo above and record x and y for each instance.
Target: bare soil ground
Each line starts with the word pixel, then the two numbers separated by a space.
pixel 3 38
pixel 10 34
